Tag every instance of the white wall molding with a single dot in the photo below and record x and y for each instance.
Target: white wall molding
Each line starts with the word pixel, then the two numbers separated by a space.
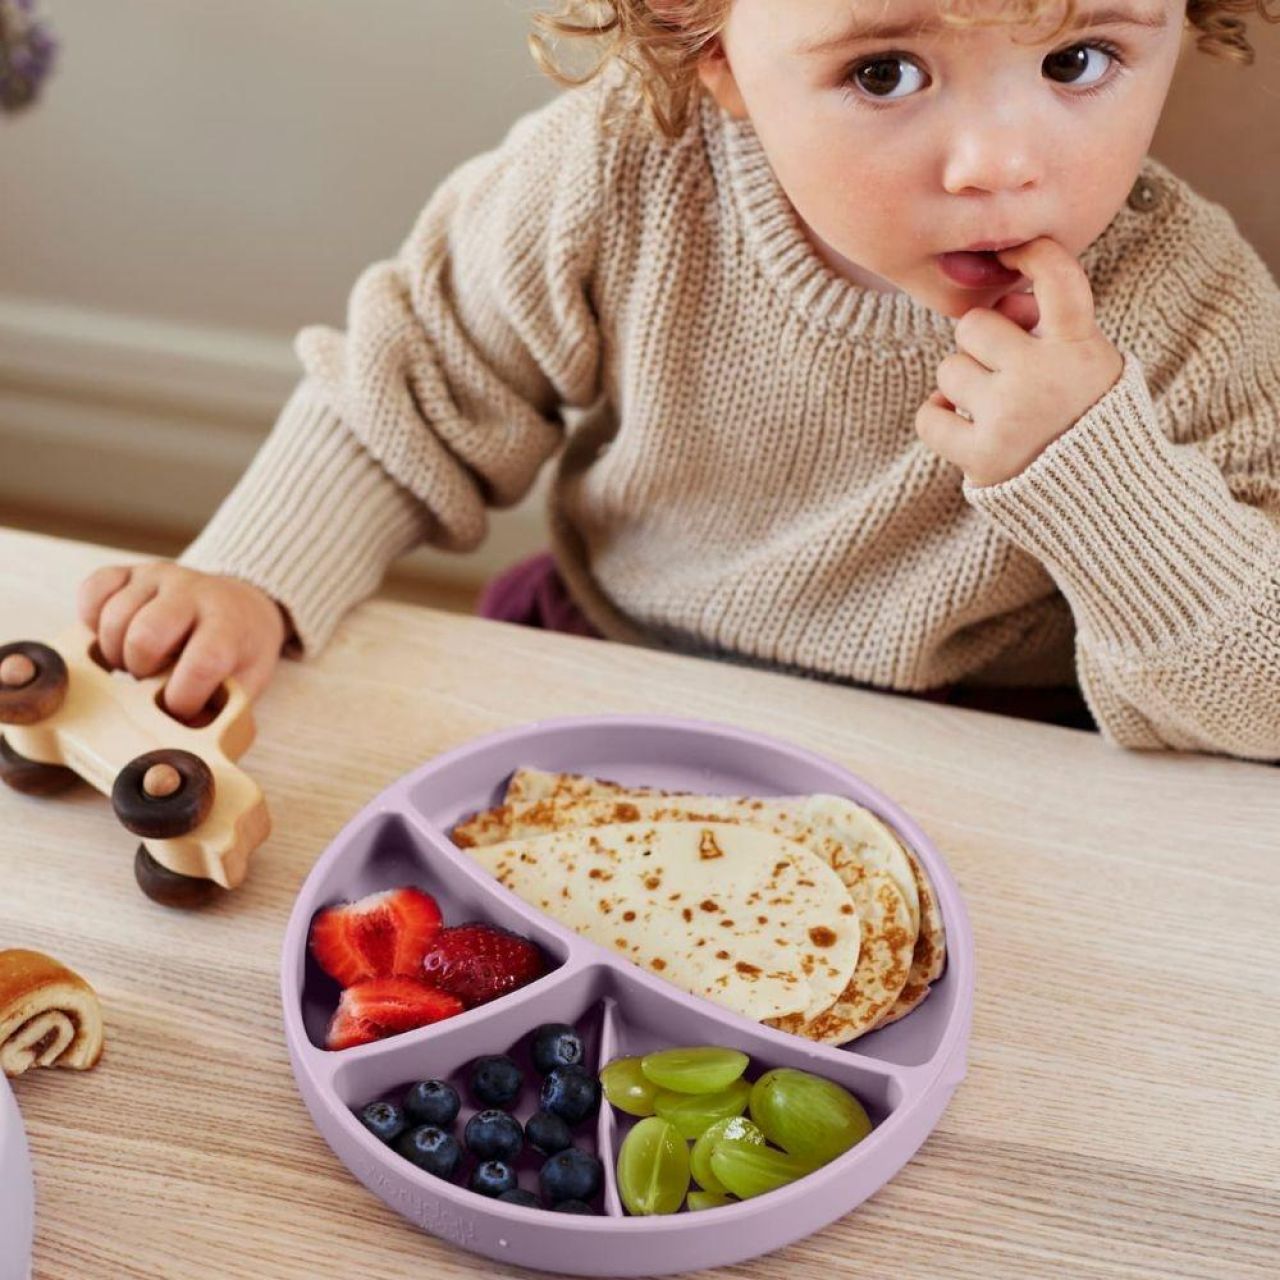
pixel 148 422
pixel 222 373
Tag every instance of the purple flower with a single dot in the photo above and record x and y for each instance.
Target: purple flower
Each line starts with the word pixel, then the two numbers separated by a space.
pixel 26 54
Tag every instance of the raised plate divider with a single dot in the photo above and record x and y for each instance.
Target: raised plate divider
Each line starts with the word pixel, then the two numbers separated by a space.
pixel 442 1048
pixel 540 925
pixel 606 1123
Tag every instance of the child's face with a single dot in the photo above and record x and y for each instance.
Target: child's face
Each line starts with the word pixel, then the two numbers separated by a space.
pixel 893 151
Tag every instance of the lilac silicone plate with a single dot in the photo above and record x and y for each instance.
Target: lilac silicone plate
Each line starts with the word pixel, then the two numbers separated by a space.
pixel 16 1191
pixel 904 1074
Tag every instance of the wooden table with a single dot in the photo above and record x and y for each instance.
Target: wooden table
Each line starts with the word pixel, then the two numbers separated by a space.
pixel 1122 1111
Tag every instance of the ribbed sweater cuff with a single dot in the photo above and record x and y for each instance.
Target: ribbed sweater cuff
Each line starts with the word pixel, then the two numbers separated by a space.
pixel 314 522
pixel 1142 535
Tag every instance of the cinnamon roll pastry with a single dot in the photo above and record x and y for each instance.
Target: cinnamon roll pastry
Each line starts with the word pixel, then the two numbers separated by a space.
pixel 49 1016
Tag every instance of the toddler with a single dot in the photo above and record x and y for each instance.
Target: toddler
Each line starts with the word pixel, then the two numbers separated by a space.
pixel 872 345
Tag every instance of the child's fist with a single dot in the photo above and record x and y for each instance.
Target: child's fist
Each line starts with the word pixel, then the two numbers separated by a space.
pixel 1024 372
pixel 146 615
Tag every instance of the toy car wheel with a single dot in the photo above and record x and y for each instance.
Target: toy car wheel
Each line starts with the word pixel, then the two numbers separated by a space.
pixel 163 794
pixel 31 777
pixel 169 888
pixel 33 682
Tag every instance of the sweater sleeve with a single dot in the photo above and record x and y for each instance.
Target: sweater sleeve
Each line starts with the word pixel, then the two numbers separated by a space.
pixel 1159 519
pixel 445 393
pixel 314 522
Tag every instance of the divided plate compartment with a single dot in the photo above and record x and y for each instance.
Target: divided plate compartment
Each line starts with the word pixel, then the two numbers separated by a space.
pixel 903 1074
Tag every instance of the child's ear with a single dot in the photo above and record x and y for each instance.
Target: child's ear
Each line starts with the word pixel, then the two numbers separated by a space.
pixel 713 67
pixel 719 81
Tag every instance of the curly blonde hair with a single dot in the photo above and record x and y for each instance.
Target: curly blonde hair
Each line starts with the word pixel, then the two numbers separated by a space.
pixel 661 44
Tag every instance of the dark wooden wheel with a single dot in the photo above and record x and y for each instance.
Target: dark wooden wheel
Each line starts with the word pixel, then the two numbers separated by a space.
pixel 163 794
pixel 33 682
pixel 169 888
pixel 31 777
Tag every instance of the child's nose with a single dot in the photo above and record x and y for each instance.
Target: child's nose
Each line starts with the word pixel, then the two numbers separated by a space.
pixel 1000 155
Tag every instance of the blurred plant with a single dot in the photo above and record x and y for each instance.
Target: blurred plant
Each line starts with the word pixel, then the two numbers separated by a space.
pixel 26 54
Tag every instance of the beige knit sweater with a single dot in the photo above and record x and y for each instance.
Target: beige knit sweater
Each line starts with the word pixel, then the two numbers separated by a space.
pixel 748 482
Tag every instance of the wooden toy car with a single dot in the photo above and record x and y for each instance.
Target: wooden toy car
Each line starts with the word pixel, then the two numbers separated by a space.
pixel 66 716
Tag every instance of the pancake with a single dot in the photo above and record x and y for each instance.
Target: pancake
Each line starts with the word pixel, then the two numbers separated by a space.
pixel 887 936
pixel 743 917
pixel 866 833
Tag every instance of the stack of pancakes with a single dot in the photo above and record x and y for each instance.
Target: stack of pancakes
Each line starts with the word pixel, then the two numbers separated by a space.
pixel 803 912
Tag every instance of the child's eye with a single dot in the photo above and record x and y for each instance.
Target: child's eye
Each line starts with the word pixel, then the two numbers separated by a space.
pixel 1074 60
pixel 880 75
pixel 871 82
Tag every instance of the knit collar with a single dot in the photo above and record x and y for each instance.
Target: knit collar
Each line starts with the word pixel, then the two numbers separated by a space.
pixel 774 235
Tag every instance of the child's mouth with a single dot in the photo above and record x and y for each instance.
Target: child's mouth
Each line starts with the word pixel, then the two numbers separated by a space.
pixel 975 270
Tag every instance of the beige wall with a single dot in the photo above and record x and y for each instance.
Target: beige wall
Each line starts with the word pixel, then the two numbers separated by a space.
pixel 235 163
pixel 1221 132
pixel 201 179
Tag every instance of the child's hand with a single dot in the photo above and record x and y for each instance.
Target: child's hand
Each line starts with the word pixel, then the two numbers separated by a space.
pixel 1021 389
pixel 145 615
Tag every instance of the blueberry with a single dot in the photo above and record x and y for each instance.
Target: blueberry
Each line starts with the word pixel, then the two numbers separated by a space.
pixel 493 1135
pixel 492 1178
pixel 384 1120
pixel 556 1044
pixel 547 1133
pixel 570 1093
pixel 431 1149
pixel 570 1175
pixel 433 1102
pixel 572 1206
pixel 518 1195
pixel 495 1080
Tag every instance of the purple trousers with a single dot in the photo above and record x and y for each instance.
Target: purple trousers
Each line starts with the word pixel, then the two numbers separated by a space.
pixel 533 594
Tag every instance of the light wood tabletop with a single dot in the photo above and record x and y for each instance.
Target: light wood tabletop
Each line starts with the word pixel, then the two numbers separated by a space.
pixel 1121 1115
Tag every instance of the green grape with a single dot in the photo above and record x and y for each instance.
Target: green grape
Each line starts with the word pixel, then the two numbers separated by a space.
pixel 738 1127
pixel 806 1115
pixel 708 1200
pixel 695 1070
pixel 693 1113
pixel 653 1168
pixel 627 1087
pixel 747 1169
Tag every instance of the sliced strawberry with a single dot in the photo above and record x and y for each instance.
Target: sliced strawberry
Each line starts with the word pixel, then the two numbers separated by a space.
pixel 380 936
pixel 479 962
pixel 399 1004
pixel 345 1030
pixel 384 1006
